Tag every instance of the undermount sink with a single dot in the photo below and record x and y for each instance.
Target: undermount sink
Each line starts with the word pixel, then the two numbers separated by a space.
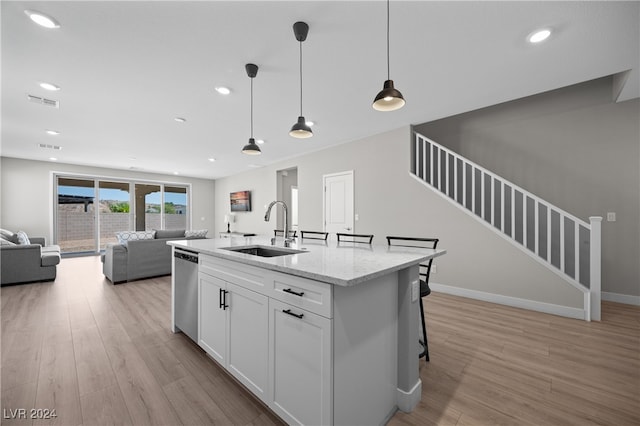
pixel 263 251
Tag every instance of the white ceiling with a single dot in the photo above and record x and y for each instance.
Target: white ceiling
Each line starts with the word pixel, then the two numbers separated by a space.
pixel 126 69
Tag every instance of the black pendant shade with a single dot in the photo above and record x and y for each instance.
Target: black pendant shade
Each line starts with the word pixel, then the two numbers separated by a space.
pixel 251 148
pixel 389 98
pixel 301 130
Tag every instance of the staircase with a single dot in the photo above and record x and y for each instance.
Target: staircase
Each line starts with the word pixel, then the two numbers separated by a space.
pixel 563 243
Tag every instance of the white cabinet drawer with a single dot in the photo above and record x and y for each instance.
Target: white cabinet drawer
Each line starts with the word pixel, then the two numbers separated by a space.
pixel 244 275
pixel 314 296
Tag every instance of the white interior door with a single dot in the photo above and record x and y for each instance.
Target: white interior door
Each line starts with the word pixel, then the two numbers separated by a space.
pixel 338 202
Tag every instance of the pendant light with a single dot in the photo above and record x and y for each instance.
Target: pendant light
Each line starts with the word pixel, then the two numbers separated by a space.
pixel 301 130
pixel 251 148
pixel 389 98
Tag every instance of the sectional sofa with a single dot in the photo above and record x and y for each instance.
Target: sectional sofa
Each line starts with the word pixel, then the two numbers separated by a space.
pixel 142 254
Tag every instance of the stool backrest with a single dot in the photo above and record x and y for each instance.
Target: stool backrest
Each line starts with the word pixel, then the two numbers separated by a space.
pixel 432 243
pixel 280 233
pixel 314 235
pixel 354 238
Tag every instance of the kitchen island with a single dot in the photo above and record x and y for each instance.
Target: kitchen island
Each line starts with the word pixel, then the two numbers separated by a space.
pixel 321 332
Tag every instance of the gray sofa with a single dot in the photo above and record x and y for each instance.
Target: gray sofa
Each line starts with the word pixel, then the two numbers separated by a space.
pixel 25 263
pixel 140 258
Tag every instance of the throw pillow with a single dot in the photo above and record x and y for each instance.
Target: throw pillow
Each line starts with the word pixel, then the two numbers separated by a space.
pixel 200 233
pixel 23 239
pixel 9 236
pixel 125 236
pixel 5 242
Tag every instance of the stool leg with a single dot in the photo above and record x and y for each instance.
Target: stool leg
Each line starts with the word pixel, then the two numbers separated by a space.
pixel 424 334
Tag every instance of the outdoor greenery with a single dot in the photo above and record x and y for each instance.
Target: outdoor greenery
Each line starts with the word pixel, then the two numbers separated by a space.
pixel 122 207
pixel 169 208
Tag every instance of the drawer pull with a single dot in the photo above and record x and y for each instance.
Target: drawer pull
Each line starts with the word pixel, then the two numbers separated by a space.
pixel 223 299
pixel 288 311
pixel 288 290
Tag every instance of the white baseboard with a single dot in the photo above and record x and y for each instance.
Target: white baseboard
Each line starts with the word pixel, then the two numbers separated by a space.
pixel 547 308
pixel 621 298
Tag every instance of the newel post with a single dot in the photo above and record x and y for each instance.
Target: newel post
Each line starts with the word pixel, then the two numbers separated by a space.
pixel 595 267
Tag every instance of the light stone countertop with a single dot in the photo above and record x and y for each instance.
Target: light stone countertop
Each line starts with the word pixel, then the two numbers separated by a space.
pixel 343 264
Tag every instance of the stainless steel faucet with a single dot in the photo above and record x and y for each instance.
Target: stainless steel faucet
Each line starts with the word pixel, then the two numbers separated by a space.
pixel 267 215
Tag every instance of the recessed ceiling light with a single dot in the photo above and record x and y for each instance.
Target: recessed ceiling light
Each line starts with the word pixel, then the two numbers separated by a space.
pixel 53 159
pixel 53 132
pixel 49 86
pixel 260 141
pixel 223 90
pixel 539 35
pixel 42 19
pixel 212 159
pixel 180 119
pixel 176 173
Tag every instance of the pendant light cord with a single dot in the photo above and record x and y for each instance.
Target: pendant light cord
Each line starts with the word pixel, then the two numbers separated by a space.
pixel 300 78
pixel 252 107
pixel 388 66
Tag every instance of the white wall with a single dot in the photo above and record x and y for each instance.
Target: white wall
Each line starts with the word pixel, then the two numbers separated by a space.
pixel 27 193
pixel 390 202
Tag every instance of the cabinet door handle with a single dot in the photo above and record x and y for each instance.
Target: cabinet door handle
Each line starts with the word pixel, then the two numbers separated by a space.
pixel 220 298
pixel 223 299
pixel 288 290
pixel 288 312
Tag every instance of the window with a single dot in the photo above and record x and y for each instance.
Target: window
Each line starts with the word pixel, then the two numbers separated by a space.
pixel 89 211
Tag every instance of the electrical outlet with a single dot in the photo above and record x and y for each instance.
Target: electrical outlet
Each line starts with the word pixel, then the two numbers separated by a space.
pixel 357 217
pixel 415 290
pixel 434 269
pixel 611 217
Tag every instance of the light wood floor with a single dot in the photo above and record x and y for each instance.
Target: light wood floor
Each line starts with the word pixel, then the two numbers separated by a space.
pixel 102 354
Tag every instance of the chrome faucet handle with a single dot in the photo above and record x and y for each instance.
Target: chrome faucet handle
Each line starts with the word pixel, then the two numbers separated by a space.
pixel 273 241
pixel 287 242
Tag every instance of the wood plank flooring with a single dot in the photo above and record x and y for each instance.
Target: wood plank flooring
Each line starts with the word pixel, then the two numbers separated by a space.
pixel 103 355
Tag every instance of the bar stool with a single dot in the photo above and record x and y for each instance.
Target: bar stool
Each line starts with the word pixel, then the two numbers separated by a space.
pixel 425 271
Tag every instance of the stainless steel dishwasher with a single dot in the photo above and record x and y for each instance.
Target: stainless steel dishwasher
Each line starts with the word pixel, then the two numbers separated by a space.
pixel 186 292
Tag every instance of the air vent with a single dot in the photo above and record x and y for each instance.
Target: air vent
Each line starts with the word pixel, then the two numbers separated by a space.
pixel 47 146
pixel 43 101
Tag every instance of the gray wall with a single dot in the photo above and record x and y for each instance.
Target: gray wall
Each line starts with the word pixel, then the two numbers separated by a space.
pixel 27 193
pixel 573 147
pixel 390 202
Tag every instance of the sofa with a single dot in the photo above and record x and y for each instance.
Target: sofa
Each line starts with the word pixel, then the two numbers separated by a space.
pixel 134 258
pixel 26 259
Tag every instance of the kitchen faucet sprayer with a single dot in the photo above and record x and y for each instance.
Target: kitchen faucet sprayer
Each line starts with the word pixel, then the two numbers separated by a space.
pixel 267 216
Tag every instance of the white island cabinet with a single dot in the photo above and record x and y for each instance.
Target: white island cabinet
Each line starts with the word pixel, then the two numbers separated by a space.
pixel 325 336
pixel 233 321
pixel 300 367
